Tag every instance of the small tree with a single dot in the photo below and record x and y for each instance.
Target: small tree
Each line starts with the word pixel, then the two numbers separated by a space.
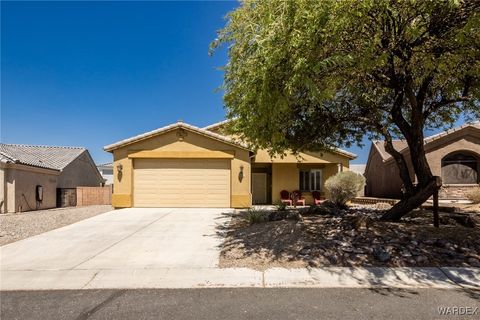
pixel 314 75
pixel 344 186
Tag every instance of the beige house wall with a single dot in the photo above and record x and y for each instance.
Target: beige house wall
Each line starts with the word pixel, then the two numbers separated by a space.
pixel 285 176
pixel 436 152
pixel 19 188
pixel 81 172
pixel 383 178
pixel 190 145
pixel 285 170
pixel 3 190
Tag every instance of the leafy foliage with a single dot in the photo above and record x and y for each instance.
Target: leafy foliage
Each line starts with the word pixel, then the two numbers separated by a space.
pixel 256 216
pixel 281 206
pixel 344 186
pixel 310 75
pixel 315 75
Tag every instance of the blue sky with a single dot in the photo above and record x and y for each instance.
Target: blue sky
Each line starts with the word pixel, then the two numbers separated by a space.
pixel 92 73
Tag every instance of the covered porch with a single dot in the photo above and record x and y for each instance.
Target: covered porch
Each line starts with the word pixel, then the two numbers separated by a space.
pixel 306 173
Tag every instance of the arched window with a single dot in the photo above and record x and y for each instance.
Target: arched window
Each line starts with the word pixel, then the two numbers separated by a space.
pixel 460 168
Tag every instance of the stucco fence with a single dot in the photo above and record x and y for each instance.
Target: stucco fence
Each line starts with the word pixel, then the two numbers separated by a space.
pixel 87 196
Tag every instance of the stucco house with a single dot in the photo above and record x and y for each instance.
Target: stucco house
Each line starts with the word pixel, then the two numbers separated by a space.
pixel 33 176
pixel 453 154
pixel 181 165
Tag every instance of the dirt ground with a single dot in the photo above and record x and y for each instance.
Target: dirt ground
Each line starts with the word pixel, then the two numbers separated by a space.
pixel 334 240
pixel 18 226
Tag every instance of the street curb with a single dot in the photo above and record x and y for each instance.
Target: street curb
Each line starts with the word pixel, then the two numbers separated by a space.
pixel 330 277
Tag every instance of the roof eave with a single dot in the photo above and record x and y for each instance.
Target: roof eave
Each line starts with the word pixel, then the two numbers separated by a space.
pixel 151 134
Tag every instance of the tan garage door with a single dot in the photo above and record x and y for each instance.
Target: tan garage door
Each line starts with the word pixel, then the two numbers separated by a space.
pixel 181 183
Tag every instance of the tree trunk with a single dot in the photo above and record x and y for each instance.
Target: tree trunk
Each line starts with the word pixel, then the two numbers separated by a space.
pixel 427 184
pixel 421 195
pixel 402 167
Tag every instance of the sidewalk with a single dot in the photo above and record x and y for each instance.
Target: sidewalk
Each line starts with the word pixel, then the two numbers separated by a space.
pixel 334 277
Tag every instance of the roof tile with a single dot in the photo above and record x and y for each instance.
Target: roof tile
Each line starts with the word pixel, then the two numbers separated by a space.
pixel 49 157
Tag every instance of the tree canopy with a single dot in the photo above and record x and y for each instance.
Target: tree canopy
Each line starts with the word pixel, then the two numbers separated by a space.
pixel 312 75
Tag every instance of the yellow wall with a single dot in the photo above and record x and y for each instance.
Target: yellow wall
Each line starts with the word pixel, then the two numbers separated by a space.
pixel 193 142
pixel 285 176
pixel 262 156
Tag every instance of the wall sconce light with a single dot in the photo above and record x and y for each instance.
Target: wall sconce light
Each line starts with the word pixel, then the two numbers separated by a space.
pixel 240 174
pixel 119 172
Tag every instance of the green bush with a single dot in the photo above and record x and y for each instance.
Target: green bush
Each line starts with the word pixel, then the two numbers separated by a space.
pixel 474 195
pixel 281 206
pixel 344 186
pixel 256 216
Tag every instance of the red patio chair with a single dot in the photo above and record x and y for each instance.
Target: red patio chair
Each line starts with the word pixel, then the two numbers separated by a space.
pixel 298 196
pixel 317 198
pixel 285 197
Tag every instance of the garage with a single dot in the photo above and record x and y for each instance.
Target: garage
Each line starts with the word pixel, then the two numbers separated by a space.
pixel 180 166
pixel 181 183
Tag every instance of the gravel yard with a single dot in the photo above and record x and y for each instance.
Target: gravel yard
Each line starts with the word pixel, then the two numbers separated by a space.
pixel 18 226
pixel 351 238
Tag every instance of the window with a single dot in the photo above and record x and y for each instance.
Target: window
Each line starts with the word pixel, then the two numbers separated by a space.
pixel 310 180
pixel 460 168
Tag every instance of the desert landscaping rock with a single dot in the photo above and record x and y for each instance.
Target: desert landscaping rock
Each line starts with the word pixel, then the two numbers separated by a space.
pixel 18 226
pixel 321 239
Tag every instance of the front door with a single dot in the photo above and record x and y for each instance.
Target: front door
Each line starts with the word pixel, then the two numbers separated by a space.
pixel 259 188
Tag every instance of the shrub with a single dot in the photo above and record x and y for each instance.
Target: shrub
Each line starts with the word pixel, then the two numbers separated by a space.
pixel 281 206
pixel 474 195
pixel 344 186
pixel 256 216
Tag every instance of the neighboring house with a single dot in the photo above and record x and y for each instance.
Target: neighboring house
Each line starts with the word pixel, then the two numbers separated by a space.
pixel 453 155
pixel 106 170
pixel 181 165
pixel 34 176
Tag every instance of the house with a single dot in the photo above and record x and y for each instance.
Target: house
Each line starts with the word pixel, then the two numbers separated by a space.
pixel 453 155
pixel 181 165
pixel 106 170
pixel 34 177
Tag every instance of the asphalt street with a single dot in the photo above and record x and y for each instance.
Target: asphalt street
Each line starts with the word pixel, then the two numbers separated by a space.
pixel 244 303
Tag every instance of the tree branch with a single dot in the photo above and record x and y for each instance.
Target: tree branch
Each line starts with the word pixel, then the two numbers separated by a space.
pixel 435 106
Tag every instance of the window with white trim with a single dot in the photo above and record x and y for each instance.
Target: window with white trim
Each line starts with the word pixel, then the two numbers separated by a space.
pixel 310 180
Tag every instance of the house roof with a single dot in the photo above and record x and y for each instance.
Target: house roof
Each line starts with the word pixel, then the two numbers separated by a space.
pixel 401 145
pixel 49 157
pixel 107 164
pixel 336 150
pixel 171 127
pixel 216 124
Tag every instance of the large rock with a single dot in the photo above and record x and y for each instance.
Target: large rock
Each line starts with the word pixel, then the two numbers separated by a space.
pixel 381 254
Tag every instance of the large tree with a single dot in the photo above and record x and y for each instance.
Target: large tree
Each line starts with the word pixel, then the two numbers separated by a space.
pixel 314 75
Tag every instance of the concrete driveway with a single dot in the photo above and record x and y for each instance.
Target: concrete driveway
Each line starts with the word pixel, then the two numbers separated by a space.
pixel 135 238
